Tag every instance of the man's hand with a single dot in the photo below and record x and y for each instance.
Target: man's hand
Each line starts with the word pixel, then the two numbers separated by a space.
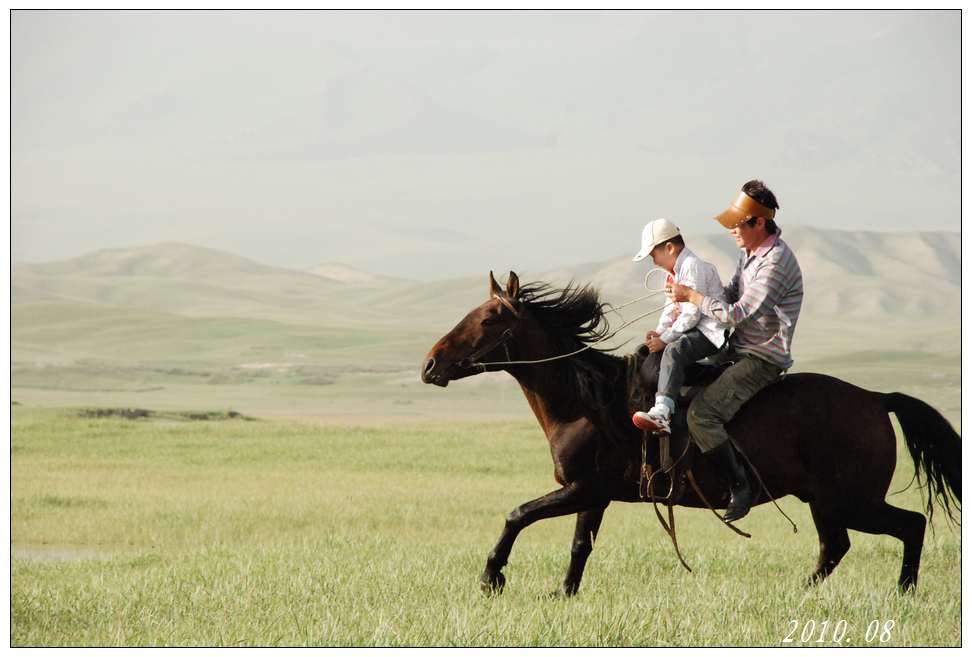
pixel 680 293
pixel 655 343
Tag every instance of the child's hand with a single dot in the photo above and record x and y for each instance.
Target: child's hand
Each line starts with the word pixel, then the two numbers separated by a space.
pixel 655 343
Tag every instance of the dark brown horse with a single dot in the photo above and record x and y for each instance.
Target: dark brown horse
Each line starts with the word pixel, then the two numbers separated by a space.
pixel 829 443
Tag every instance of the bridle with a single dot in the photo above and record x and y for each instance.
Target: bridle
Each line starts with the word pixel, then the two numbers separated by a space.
pixel 470 361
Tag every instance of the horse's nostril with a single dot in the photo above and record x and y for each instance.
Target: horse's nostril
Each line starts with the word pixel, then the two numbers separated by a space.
pixel 429 364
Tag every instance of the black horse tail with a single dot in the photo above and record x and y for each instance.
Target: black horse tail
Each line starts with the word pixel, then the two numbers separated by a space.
pixel 935 448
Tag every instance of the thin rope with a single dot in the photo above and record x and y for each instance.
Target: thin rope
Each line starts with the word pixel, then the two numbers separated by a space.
pixel 647 296
pixel 606 337
pixel 735 446
pixel 652 271
pixel 653 293
pixel 698 491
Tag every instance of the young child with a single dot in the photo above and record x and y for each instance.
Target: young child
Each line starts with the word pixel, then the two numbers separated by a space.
pixel 683 335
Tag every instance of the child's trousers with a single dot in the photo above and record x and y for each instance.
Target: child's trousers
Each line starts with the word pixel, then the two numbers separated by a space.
pixel 665 370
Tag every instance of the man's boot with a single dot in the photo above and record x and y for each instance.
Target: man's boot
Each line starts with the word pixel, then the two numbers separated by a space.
pixel 724 456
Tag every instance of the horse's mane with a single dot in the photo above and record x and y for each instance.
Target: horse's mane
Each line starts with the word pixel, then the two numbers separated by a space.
pixel 575 316
pixel 572 313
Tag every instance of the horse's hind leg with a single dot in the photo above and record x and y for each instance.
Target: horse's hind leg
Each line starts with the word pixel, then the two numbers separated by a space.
pixel 588 523
pixel 906 526
pixel 834 541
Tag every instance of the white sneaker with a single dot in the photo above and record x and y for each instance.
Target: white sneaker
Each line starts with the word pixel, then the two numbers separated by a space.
pixel 656 419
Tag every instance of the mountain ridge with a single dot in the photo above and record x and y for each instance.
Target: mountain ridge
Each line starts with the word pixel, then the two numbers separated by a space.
pixel 719 241
pixel 343 273
pixel 846 273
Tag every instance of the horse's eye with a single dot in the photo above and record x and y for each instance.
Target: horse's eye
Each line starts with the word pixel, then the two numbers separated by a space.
pixel 492 319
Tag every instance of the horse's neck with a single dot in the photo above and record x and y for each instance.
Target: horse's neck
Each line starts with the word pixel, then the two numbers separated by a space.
pixel 544 389
pixel 545 385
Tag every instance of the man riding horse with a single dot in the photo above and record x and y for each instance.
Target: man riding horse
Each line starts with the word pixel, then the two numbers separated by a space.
pixel 762 305
pixel 833 444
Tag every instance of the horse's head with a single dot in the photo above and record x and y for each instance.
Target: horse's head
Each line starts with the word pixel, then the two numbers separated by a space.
pixel 480 336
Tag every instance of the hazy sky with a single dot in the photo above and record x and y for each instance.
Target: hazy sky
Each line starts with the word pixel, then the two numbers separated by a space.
pixel 436 144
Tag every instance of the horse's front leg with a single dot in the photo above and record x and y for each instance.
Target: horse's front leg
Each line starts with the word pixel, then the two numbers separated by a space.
pixel 588 522
pixel 572 498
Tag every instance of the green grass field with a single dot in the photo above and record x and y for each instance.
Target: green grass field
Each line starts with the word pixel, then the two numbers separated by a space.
pixel 274 532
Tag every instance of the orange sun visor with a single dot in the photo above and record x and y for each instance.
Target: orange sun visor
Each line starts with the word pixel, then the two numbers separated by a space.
pixel 743 209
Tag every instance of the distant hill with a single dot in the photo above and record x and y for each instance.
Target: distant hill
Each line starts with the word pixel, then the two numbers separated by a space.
pixel 166 259
pixel 169 277
pixel 867 276
pixel 341 273
pixel 859 274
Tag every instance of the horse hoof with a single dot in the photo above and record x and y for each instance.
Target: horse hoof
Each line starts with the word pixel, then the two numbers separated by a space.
pixel 907 586
pixel 491 584
pixel 813 581
pixel 559 594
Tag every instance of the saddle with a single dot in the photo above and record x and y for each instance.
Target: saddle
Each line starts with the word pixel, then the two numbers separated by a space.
pixel 675 452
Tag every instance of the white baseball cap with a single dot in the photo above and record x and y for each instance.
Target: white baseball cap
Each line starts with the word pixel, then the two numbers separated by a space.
pixel 655 233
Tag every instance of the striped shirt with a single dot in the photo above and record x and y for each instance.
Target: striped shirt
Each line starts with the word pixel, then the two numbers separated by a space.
pixel 763 302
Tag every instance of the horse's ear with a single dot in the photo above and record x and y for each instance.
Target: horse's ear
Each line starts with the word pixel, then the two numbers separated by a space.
pixel 494 288
pixel 513 285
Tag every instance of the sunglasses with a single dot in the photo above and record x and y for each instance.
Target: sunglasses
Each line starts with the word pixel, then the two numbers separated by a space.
pixel 749 222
